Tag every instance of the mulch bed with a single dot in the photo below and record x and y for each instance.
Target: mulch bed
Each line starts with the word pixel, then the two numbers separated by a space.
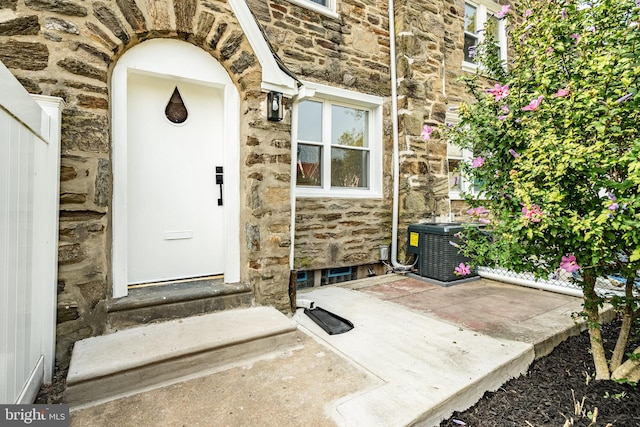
pixel 552 393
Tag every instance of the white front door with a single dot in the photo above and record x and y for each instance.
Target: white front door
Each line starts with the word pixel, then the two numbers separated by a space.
pixel 176 221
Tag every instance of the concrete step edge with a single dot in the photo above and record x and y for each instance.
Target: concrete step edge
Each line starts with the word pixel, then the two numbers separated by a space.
pixel 171 371
pixel 140 346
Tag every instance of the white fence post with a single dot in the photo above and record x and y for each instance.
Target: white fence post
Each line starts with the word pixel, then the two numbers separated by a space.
pixel 29 197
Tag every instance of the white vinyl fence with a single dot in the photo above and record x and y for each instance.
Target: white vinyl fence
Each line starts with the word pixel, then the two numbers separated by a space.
pixel 29 194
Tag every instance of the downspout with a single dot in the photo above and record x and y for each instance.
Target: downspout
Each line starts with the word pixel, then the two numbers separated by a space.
pixel 396 158
pixel 303 92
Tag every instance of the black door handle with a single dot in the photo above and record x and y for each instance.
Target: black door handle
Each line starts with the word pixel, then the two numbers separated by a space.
pixel 220 182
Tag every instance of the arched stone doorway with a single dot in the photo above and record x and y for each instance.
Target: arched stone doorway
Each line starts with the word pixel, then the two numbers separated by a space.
pixel 175 122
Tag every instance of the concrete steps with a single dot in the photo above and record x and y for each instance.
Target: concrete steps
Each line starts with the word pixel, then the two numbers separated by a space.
pixel 176 300
pixel 132 360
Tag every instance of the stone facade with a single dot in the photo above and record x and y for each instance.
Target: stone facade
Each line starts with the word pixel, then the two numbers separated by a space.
pixel 68 48
pixel 350 52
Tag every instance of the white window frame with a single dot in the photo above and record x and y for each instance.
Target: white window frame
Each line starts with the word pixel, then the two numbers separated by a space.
pixel 328 10
pixel 484 10
pixel 370 103
pixel 466 156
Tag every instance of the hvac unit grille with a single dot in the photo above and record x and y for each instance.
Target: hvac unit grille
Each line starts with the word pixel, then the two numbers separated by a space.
pixel 437 257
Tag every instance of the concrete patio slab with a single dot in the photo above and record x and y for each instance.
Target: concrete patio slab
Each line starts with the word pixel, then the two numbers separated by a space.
pixel 428 367
pixel 418 352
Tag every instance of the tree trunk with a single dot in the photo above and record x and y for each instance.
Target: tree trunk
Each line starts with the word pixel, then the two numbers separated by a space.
pixel 592 304
pixel 629 369
pixel 627 321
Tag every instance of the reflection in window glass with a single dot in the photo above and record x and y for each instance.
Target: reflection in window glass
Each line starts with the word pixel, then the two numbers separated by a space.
pixel 308 171
pixel 470 36
pixel 349 168
pixel 455 183
pixel 469 18
pixel 348 126
pixel 333 146
pixel 310 121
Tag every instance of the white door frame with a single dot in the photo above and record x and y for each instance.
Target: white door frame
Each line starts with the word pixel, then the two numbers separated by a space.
pixel 182 61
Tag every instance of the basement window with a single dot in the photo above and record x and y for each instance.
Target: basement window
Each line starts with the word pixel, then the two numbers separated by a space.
pixel 332 276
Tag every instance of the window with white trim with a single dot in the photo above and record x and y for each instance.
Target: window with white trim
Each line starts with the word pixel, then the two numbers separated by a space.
pixel 325 7
pixel 476 14
pixel 338 143
pixel 456 156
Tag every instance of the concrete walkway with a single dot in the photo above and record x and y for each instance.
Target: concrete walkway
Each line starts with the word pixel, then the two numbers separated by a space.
pixel 417 353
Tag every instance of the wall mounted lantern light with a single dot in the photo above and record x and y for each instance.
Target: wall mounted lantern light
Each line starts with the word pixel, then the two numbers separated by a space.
pixel 275 111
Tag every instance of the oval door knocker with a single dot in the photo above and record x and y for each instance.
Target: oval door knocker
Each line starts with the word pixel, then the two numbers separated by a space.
pixel 175 110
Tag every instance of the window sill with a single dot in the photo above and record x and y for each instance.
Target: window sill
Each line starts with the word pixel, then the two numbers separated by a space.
pixel 469 67
pixel 346 193
pixel 316 8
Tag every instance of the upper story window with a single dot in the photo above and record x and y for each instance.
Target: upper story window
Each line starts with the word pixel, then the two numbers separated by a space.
pixel 325 7
pixel 338 144
pixel 477 13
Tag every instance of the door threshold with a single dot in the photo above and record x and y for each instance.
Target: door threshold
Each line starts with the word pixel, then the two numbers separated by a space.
pixel 171 282
pixel 167 293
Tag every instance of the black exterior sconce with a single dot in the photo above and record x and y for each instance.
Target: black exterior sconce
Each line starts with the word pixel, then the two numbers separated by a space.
pixel 275 111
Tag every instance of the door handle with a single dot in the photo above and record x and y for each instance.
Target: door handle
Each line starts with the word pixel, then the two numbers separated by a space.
pixel 220 182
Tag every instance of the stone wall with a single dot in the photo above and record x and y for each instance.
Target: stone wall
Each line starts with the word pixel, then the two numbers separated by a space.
pixel 68 48
pixel 430 42
pixel 351 52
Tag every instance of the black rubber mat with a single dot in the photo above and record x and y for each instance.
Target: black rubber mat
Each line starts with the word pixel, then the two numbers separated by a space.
pixel 331 323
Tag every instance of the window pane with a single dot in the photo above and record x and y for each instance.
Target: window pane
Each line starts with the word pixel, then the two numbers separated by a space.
pixel 454 176
pixel 495 23
pixel 349 168
pixel 322 2
pixel 469 18
pixel 308 170
pixel 469 45
pixel 349 126
pixel 310 121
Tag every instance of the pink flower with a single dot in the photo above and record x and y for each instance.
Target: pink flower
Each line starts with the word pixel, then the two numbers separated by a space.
pixel 499 92
pixel 513 153
pixel 528 13
pixel 533 105
pixel 502 117
pixel 480 210
pixel 426 132
pixel 569 263
pixel 462 270
pixel 533 213
pixel 503 12
pixel 561 93
pixel 478 162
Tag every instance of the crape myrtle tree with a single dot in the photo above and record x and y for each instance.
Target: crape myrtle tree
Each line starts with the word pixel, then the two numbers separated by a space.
pixel 556 139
